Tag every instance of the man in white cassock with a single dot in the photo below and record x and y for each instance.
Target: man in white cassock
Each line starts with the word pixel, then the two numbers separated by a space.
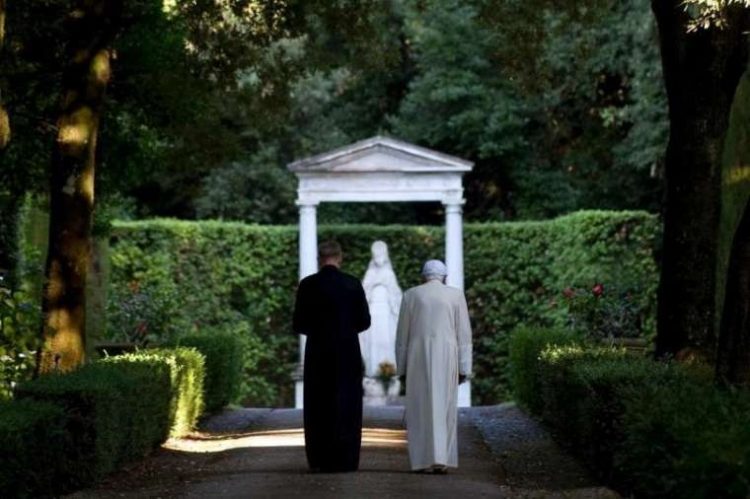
pixel 433 352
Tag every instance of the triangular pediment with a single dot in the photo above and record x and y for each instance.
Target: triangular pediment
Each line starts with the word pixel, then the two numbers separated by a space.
pixel 381 154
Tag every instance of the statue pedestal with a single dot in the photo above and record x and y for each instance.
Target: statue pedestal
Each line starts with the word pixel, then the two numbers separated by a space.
pixel 375 393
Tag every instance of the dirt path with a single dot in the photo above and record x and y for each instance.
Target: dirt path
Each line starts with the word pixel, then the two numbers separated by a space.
pixel 260 453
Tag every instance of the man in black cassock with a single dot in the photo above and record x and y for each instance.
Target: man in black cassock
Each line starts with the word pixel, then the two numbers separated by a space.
pixel 331 309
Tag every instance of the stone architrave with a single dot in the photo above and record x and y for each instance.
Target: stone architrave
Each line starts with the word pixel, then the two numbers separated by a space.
pixel 381 169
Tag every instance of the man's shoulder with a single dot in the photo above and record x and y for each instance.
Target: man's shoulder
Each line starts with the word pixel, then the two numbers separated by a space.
pixel 308 280
pixel 349 279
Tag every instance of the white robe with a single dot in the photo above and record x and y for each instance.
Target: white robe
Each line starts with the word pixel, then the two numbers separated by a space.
pixel 433 345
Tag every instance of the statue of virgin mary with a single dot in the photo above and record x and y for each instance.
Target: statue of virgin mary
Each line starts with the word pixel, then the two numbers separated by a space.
pixel 384 297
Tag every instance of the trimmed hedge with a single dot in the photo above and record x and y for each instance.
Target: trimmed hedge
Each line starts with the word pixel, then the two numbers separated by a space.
pixel 526 345
pixel 187 376
pixel 223 364
pixel 650 429
pixel 65 431
pixel 198 276
pixel 116 413
pixel 32 443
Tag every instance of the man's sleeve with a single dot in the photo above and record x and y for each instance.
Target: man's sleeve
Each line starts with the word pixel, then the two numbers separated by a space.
pixel 363 311
pixel 301 317
pixel 402 336
pixel 463 327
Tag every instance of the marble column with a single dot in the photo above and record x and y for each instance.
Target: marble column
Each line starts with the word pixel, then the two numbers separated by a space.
pixel 454 260
pixel 454 245
pixel 308 264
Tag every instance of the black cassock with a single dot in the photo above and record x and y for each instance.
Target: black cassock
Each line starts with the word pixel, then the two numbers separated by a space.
pixel 331 309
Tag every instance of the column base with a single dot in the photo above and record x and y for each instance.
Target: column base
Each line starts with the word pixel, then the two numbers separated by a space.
pixel 299 386
pixel 464 394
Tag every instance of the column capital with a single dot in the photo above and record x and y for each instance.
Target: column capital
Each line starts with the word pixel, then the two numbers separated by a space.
pixel 307 203
pixel 453 206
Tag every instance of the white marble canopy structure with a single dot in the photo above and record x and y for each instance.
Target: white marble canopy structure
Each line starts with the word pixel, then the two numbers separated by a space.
pixel 381 169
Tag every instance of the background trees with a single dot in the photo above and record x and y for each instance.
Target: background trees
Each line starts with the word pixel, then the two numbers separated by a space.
pixel 562 106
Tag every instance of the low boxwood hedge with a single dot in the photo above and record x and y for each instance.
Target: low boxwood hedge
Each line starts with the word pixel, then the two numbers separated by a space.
pixel 115 413
pixel 650 429
pixel 65 431
pixel 33 446
pixel 187 376
pixel 526 345
pixel 224 360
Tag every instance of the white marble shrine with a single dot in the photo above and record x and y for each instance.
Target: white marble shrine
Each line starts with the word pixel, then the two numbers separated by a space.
pixel 381 169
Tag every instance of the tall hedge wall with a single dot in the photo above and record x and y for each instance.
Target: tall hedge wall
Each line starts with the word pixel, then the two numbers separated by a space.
pixel 207 276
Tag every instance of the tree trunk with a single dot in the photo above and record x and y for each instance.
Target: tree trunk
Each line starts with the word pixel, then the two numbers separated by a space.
pixel 702 70
pixel 92 26
pixel 733 362
pixel 4 121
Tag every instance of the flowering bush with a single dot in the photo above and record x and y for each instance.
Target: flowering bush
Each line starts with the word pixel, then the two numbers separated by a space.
pixel 603 312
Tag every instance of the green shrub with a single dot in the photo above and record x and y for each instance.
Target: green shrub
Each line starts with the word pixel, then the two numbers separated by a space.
pixel 187 375
pixel 33 445
pixel 685 439
pixel 526 347
pixel 203 276
pixel 224 362
pixel 116 412
pixel 650 429
pixel 19 338
pixel 583 391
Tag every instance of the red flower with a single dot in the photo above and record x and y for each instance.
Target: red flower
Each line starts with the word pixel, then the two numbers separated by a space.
pixel 598 289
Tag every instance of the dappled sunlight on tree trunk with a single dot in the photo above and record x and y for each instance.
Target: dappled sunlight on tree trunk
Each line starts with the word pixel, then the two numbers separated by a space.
pixel 92 26
pixel 4 121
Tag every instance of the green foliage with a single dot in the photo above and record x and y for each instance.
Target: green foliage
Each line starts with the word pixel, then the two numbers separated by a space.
pixel 19 331
pixel 187 376
pixel 257 191
pixel 605 313
pixel 650 429
pixel 242 278
pixel 526 347
pixel 686 440
pixel 224 354
pixel 118 412
pixel 33 445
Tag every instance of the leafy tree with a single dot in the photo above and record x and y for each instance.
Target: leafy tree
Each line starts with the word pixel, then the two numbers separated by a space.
pixel 257 191
pixel 458 101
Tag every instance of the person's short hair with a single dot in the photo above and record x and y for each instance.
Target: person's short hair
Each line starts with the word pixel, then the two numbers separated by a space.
pixel 329 249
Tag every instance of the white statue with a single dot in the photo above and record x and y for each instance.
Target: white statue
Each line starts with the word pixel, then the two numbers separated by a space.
pixel 384 297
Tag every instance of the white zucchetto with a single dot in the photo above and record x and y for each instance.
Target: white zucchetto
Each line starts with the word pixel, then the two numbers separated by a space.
pixel 434 269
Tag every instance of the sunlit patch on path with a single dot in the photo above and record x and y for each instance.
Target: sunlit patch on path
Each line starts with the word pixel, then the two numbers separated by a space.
pixel 295 437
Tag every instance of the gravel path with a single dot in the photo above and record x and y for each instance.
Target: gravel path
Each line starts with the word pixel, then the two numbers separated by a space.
pixel 260 453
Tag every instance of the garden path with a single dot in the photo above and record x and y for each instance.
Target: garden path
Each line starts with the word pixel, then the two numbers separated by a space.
pixel 260 453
